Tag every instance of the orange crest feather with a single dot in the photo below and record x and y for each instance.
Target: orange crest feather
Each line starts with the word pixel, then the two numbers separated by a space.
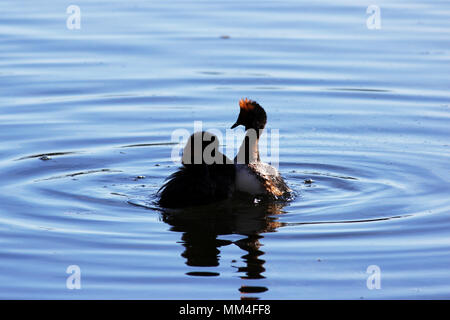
pixel 246 104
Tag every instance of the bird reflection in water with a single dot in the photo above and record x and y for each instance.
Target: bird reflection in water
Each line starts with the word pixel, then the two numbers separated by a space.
pixel 201 227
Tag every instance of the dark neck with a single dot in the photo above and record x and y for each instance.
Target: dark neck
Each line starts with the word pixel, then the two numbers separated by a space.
pixel 248 151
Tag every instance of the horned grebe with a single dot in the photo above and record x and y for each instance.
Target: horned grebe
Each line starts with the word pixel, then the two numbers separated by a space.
pixel 206 175
pixel 202 181
pixel 252 175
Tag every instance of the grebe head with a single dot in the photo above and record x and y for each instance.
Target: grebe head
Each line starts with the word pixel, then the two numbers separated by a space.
pixel 251 116
pixel 200 147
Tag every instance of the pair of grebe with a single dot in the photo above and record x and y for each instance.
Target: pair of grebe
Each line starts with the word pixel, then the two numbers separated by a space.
pixel 202 181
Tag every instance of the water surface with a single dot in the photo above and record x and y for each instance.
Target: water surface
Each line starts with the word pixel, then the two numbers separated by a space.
pixel 363 113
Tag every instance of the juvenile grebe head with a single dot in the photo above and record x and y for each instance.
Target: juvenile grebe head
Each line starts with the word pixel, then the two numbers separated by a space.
pixel 201 148
pixel 251 115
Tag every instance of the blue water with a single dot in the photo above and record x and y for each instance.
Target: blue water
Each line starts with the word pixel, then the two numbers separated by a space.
pixel 364 113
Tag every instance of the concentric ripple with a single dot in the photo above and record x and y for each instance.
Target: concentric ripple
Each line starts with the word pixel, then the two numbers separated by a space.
pixel 87 116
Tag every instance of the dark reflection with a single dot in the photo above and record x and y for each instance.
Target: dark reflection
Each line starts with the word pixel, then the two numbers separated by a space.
pixel 253 265
pixel 202 226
